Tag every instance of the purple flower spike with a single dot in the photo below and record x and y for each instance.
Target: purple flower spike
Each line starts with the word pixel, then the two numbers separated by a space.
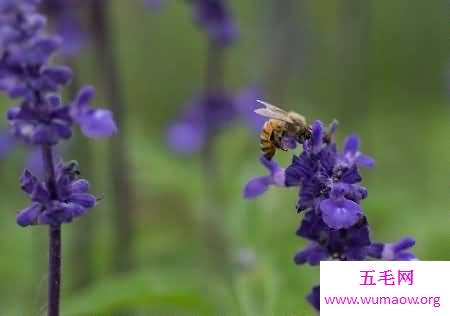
pixel 339 212
pixel 258 185
pixel 329 196
pixel 94 123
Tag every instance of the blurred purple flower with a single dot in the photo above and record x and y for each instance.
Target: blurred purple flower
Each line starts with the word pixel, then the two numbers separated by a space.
pixel 215 17
pixel 72 200
pixel 245 104
pixel 206 115
pixel 66 17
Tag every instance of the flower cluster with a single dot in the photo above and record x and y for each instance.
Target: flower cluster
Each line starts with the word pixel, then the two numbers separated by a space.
pixel 207 114
pixel 72 198
pixel 215 17
pixel 330 195
pixel 40 117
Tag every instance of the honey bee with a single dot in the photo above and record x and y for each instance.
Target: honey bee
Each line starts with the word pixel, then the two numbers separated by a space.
pixel 280 124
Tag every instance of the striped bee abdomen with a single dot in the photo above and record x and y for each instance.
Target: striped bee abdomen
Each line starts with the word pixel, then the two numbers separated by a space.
pixel 265 137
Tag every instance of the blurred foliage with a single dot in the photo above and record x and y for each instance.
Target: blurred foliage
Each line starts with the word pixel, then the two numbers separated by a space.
pixel 402 114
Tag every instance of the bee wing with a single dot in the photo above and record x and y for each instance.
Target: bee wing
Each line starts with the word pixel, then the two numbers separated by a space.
pixel 271 111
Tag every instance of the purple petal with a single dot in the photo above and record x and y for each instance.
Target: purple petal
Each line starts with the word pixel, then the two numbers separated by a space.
pixel 85 95
pixel 59 74
pixel 98 123
pixel 317 136
pixel 41 50
pixel 28 181
pixel 29 215
pixel 314 297
pixel 54 100
pixel 57 213
pixel 270 165
pixel 62 129
pixel 312 254
pixel 351 175
pixel 404 243
pixel 341 213
pixel 80 186
pixel 397 250
pixel 338 190
pixel 365 161
pixel 84 199
pixel 74 209
pixel 332 129
pixel 257 186
pixel 351 145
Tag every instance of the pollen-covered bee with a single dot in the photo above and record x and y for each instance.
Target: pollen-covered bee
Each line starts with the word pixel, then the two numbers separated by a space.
pixel 280 124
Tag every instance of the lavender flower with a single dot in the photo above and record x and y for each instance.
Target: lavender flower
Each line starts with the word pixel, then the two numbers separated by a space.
pixel 206 114
pixel 330 195
pixel 41 118
pixel 73 197
pixel 215 17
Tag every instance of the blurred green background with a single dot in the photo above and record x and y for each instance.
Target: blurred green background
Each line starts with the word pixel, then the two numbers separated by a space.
pixel 382 68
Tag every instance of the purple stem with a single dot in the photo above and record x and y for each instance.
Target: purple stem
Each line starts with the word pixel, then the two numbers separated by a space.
pixel 54 256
